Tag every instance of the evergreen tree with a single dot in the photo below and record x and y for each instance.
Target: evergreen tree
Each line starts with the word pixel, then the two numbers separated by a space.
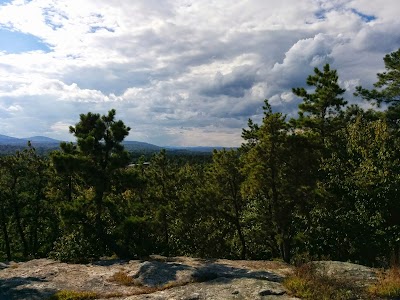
pixel 387 89
pixel 27 216
pixel 279 174
pixel 318 110
pixel 359 217
pixel 97 157
pixel 162 197
pixel 224 181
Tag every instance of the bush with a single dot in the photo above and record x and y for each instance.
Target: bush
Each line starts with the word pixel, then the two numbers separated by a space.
pixel 388 284
pixel 134 234
pixel 75 247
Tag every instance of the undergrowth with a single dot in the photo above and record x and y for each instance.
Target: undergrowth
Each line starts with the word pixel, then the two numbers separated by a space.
pixel 123 278
pixel 73 295
pixel 388 285
pixel 307 283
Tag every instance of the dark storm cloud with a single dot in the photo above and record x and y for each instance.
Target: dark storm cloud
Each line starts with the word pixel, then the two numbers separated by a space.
pixel 234 84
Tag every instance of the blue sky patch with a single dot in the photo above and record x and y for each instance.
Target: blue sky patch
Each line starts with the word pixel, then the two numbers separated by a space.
pixel 93 29
pixel 364 17
pixel 320 15
pixel 17 42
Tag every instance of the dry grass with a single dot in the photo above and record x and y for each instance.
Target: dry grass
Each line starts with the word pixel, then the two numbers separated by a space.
pixel 260 264
pixel 123 278
pixel 73 295
pixel 388 285
pixel 142 290
pixel 307 283
pixel 149 290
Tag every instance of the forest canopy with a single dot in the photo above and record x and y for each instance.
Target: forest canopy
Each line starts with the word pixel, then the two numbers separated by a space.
pixel 321 185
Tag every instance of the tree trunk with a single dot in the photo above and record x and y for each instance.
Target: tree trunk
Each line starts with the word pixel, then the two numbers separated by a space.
pixel 18 221
pixel 236 204
pixel 242 240
pixel 98 223
pixel 35 225
pixel 239 231
pixel 395 259
pixel 106 239
pixel 5 234
pixel 69 188
pixel 166 234
pixel 285 249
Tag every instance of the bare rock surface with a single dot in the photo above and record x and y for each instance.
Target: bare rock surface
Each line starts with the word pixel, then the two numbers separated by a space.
pixel 222 288
pixel 360 275
pixel 158 278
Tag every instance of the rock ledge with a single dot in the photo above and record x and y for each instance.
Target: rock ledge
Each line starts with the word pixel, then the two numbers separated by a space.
pixel 159 278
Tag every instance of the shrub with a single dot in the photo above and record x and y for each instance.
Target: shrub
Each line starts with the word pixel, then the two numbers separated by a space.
pixel 75 247
pixel 388 284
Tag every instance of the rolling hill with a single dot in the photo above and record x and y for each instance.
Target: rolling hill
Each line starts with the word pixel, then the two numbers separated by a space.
pixel 46 143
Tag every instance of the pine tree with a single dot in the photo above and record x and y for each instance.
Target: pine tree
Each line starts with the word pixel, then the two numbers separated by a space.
pixel 318 110
pixel 96 158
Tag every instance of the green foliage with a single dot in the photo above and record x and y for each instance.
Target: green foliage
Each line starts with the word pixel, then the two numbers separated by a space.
pixel 136 234
pixel 388 84
pixel 279 177
pixel 95 161
pixel 361 192
pixel 76 247
pixel 319 109
pixel 387 89
pixel 323 185
pixel 26 214
pixel 223 184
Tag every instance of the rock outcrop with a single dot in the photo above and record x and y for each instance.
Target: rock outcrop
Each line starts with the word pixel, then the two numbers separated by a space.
pixel 158 278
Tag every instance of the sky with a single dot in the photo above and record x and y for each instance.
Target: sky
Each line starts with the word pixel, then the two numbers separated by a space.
pixel 180 72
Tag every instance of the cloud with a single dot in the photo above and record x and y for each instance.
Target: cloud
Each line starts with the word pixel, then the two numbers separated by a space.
pixel 303 57
pixel 234 84
pixel 180 72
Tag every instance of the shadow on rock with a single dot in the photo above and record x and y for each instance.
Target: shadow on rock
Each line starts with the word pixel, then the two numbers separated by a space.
pixel 213 271
pixel 154 273
pixel 109 262
pixel 14 288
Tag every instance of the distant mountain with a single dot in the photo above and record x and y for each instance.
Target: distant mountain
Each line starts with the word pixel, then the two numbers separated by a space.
pixel 132 146
pixel 8 140
pixel 140 146
pixel 42 139
pixel 45 141
pixel 199 148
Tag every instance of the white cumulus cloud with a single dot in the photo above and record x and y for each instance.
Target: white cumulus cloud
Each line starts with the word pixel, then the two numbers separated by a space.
pixel 181 71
